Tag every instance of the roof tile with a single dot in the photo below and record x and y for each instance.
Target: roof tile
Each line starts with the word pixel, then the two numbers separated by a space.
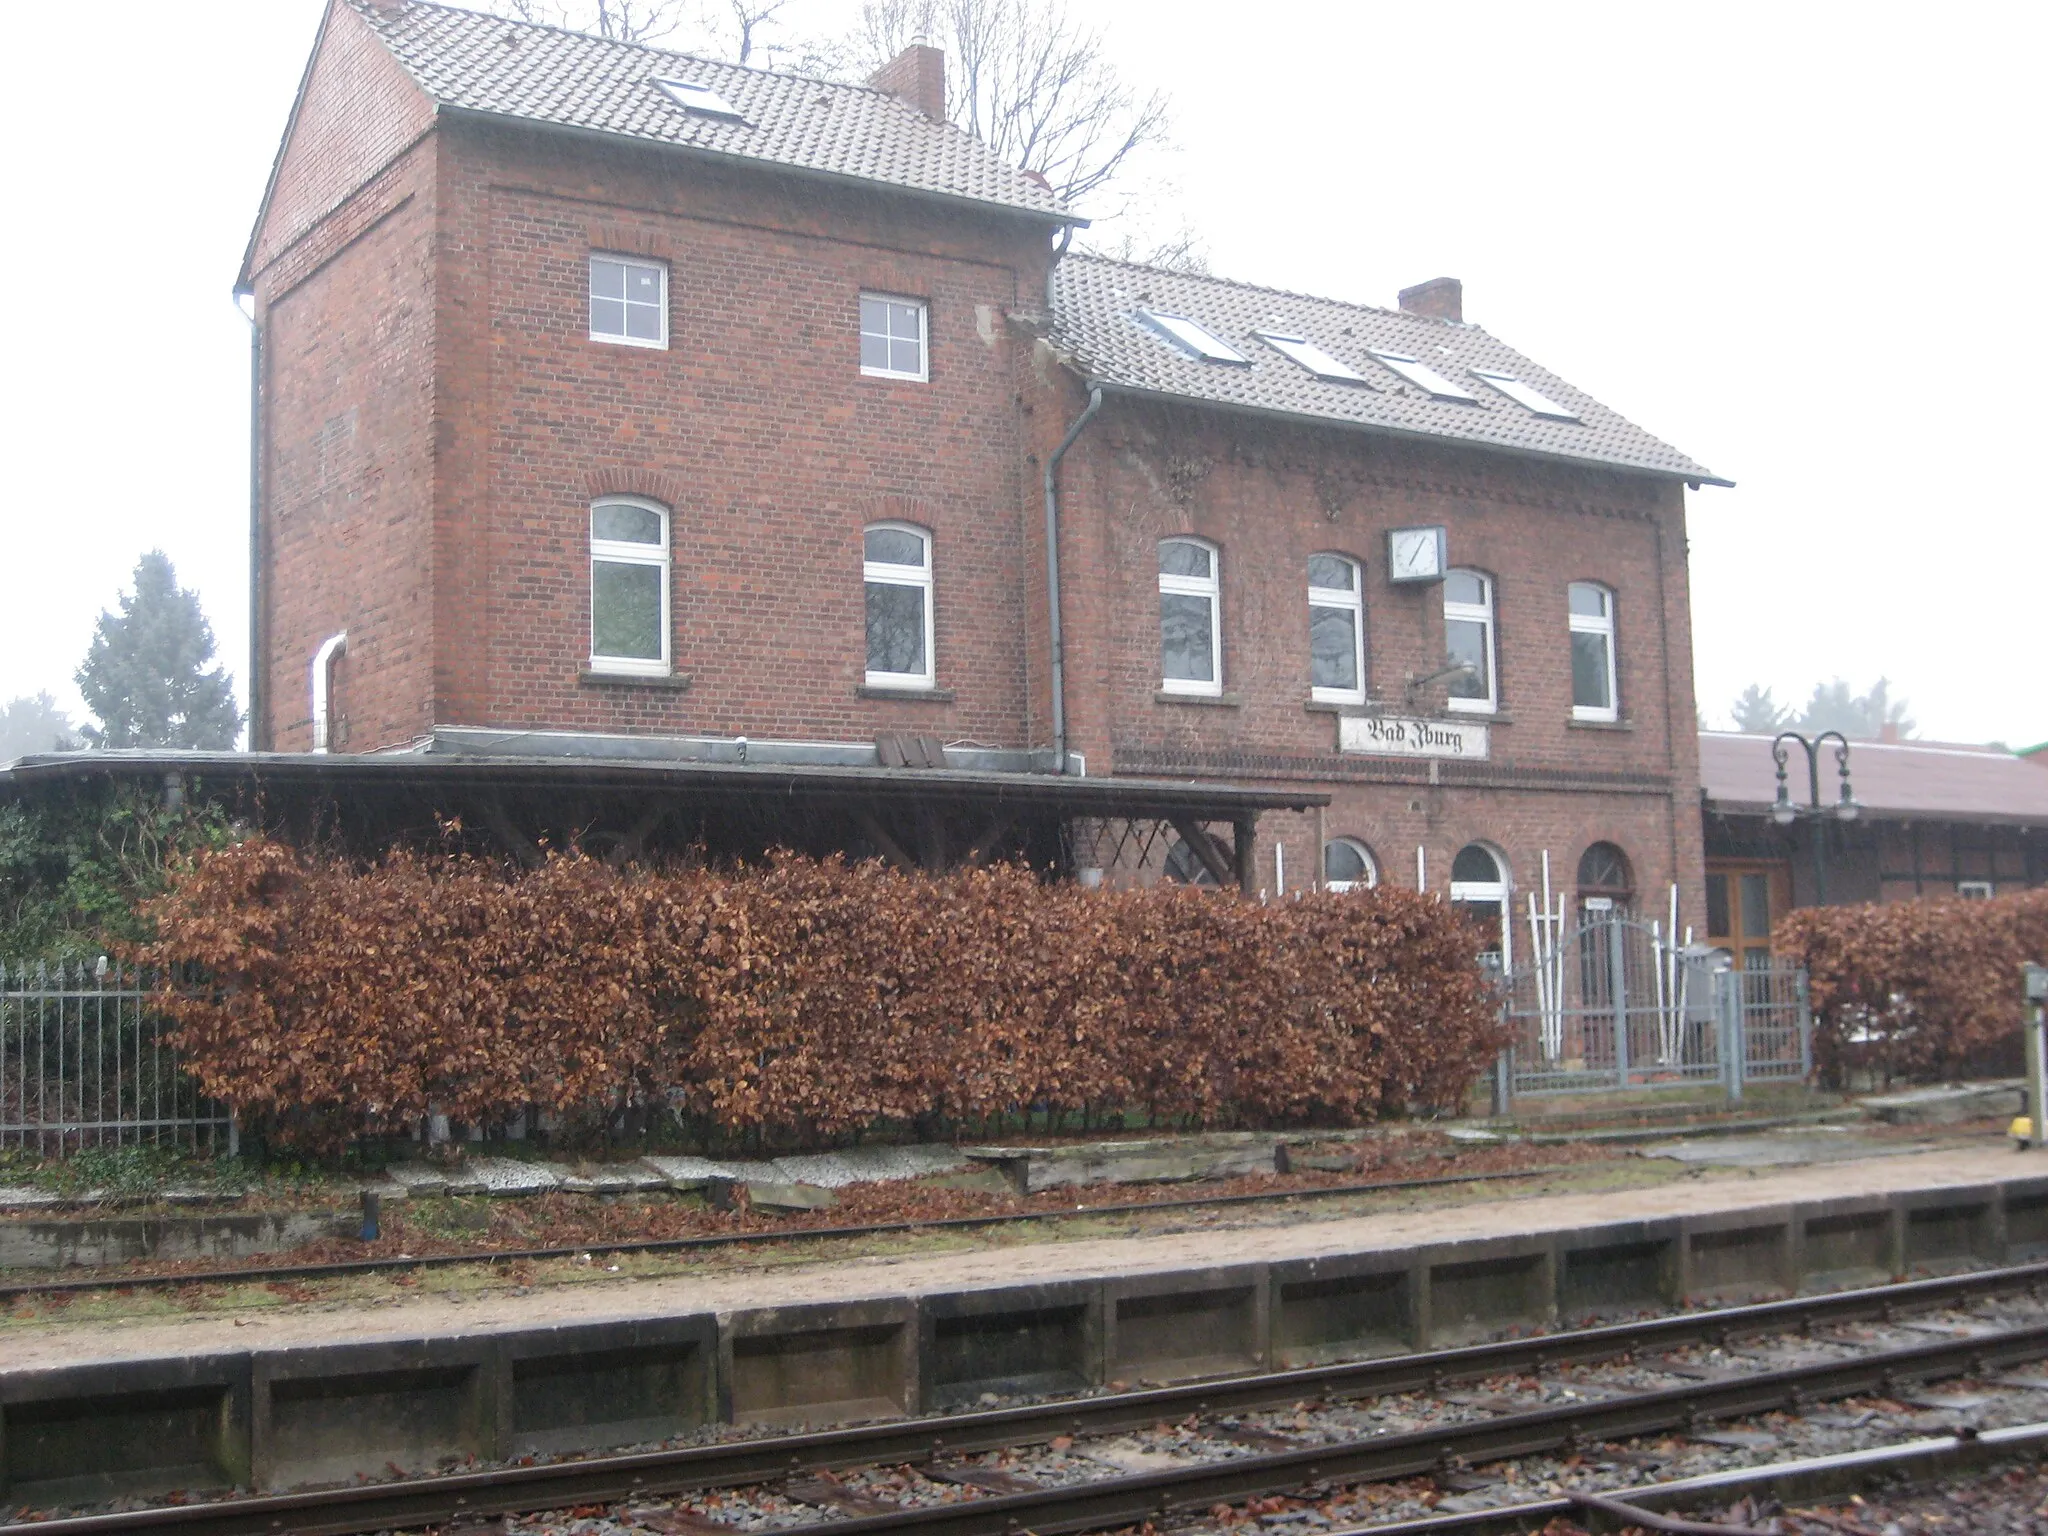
pixel 480 63
pixel 1095 327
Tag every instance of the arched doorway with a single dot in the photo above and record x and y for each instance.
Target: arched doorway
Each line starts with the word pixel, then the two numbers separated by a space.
pixel 1479 889
pixel 1606 883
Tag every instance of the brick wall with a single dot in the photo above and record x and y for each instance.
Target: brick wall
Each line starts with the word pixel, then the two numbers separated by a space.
pixel 1268 496
pixel 346 454
pixel 754 427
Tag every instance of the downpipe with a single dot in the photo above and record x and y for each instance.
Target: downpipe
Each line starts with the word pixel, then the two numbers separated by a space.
pixel 1052 577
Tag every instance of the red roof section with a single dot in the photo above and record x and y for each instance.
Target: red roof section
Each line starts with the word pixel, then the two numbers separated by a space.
pixel 1918 779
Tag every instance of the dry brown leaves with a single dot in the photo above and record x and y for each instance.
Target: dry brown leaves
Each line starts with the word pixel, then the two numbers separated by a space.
pixel 1917 989
pixel 802 997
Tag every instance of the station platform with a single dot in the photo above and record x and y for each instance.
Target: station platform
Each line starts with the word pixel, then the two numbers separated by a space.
pixel 286 1396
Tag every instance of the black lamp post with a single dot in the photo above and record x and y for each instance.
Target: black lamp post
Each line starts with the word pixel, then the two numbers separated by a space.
pixel 1784 812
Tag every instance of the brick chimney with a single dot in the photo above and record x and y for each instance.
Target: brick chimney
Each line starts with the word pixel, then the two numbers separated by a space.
pixel 1442 298
pixel 916 75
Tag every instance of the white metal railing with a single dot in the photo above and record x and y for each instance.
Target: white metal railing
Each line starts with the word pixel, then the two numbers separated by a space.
pixel 84 1062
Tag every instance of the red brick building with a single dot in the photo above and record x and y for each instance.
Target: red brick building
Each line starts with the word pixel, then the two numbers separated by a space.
pixel 607 393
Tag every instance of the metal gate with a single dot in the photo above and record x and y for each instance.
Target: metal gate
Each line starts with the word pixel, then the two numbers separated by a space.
pixel 1617 1006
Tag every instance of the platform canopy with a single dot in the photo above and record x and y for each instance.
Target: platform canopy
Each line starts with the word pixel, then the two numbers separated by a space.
pixel 911 800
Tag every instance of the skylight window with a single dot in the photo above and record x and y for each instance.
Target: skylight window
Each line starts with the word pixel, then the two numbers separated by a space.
pixel 1423 376
pixel 1312 357
pixel 1538 403
pixel 1192 339
pixel 700 99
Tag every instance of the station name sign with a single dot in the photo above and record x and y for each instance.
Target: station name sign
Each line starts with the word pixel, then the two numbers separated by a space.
pixel 1397 736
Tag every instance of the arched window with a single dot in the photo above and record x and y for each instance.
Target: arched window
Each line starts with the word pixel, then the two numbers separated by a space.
pixel 1592 630
pixel 1190 631
pixel 1479 889
pixel 897 570
pixel 1185 867
pixel 1336 629
pixel 1604 878
pixel 1469 638
pixel 629 570
pixel 1348 864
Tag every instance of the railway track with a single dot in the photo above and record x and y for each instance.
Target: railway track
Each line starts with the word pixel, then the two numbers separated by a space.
pixel 284 1273
pixel 1254 1461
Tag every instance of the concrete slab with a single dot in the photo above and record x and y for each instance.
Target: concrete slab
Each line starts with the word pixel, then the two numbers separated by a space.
pixel 17 1198
pixel 1946 1106
pixel 1794 1147
pixel 860 1165
pixel 1165 1160
pixel 693 1173
pixel 505 1176
pixel 764 1195
pixel 418 1178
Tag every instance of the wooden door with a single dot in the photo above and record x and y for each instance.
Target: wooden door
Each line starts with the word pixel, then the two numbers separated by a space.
pixel 1744 900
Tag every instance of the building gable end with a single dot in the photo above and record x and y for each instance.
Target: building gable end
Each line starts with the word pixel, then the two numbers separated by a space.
pixel 356 110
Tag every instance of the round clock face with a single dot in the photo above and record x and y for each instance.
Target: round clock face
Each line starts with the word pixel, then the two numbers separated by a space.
pixel 1415 554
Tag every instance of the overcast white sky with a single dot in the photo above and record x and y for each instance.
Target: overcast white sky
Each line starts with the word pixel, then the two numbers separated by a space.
pixel 1802 242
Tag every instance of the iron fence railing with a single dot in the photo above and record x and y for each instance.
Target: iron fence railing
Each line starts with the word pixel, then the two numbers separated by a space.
pixel 84 1062
pixel 1616 1006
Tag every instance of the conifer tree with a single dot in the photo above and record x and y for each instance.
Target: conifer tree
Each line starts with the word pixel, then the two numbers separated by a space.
pixel 146 677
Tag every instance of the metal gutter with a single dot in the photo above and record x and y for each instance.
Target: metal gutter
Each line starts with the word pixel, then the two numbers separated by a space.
pixel 1409 434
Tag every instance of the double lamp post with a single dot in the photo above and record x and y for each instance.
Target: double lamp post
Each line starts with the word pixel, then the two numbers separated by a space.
pixel 1784 812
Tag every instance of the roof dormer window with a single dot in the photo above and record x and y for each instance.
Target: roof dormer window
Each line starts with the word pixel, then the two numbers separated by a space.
pixel 1312 357
pixel 1526 395
pixel 1192 339
pixel 700 99
pixel 1425 377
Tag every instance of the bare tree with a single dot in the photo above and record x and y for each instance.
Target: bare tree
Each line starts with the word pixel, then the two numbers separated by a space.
pixel 1028 80
pixel 725 29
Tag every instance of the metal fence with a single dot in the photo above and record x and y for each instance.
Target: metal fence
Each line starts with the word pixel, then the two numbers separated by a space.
pixel 83 1062
pixel 1617 1006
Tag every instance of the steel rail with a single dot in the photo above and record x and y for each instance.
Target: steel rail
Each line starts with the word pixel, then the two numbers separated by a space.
pixel 423 1501
pixel 1914 1462
pixel 255 1274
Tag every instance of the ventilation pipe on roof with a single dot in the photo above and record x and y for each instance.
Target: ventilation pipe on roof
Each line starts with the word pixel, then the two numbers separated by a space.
pixel 323 677
pixel 1052 578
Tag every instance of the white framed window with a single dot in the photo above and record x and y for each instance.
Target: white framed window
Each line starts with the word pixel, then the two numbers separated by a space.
pixel 1469 639
pixel 1974 890
pixel 893 338
pixel 628 300
pixel 629 572
pixel 1592 626
pixel 1348 865
pixel 896 569
pixel 1336 629
pixel 1480 888
pixel 1190 634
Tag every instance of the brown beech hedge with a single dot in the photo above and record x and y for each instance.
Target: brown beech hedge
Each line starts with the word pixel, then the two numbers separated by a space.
pixel 1917 990
pixel 798 999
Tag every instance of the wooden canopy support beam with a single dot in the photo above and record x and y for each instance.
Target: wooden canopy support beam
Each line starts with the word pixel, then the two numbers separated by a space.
pixel 1205 848
pixel 980 850
pixel 889 847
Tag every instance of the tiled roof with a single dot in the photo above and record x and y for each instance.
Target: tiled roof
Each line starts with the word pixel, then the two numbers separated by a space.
pixel 1095 328
pixel 1926 780
pixel 477 63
